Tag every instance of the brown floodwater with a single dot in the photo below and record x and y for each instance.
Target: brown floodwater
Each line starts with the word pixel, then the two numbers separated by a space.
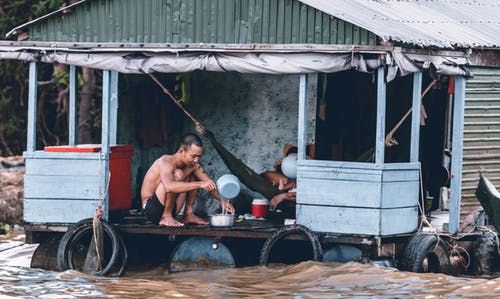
pixel 304 280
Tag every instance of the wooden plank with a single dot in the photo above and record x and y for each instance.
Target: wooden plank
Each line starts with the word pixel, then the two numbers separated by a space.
pixel 302 122
pixel 58 211
pixel 339 164
pixel 72 106
pixel 105 125
pixel 380 135
pixel 339 193
pixel 456 159
pixel 32 105
pixel 398 221
pixel 415 117
pixel 105 140
pixel 339 219
pixel 113 107
pixel 84 167
pixel 357 221
pixel 63 186
pixel 400 194
pixel 65 156
pixel 400 175
pixel 341 175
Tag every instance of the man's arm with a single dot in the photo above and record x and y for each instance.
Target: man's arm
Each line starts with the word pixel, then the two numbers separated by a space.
pixel 200 173
pixel 169 183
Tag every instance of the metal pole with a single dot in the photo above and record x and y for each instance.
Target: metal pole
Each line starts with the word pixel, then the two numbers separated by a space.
pixel 113 127
pixel 457 154
pixel 380 135
pixel 32 102
pixel 415 117
pixel 302 125
pixel 105 140
pixel 72 106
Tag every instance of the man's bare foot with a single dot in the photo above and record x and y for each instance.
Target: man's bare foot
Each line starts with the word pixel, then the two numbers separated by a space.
pixel 190 218
pixel 170 221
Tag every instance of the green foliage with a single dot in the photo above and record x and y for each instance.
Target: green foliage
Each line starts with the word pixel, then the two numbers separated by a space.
pixel 13 74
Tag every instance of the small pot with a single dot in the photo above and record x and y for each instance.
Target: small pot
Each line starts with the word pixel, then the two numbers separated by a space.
pixel 221 220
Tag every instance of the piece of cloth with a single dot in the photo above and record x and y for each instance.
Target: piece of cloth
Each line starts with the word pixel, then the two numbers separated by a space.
pixel 153 209
pixel 398 63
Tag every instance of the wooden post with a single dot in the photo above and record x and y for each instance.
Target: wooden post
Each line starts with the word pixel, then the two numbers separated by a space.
pixel 302 125
pixel 457 154
pixel 415 117
pixel 72 106
pixel 113 126
pixel 105 140
pixel 32 103
pixel 380 135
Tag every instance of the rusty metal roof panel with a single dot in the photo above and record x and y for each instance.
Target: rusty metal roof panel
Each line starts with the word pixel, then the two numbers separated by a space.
pixel 424 23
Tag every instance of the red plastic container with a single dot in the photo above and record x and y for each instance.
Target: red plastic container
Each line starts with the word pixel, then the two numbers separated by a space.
pixel 120 189
pixel 260 207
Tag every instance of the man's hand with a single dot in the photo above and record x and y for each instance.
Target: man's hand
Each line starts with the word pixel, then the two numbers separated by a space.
pixel 227 206
pixel 208 185
pixel 281 197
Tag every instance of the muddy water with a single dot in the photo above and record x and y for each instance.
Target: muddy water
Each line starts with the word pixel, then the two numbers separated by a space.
pixel 305 280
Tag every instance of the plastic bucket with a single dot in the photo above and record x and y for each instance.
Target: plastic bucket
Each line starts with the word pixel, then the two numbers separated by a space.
pixel 260 207
pixel 289 166
pixel 228 186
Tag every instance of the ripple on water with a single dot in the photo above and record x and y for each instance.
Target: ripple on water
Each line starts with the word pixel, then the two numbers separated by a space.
pixel 304 280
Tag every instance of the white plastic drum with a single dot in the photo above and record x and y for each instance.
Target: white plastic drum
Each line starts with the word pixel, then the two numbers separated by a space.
pixel 289 166
pixel 228 186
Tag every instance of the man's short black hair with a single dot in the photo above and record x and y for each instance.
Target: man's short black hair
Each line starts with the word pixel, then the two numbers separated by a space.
pixel 190 139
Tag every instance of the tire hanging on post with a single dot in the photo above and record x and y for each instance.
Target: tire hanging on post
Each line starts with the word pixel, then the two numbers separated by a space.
pixel 84 228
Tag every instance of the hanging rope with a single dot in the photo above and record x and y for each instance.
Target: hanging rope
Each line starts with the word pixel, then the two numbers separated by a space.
pixel 199 126
pixel 389 139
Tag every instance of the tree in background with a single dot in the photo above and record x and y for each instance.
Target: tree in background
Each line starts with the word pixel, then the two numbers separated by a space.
pixel 52 106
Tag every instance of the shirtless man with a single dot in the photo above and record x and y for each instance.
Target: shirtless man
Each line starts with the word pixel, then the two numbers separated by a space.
pixel 173 179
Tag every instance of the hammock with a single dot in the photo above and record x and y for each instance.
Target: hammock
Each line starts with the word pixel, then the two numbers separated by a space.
pixel 245 174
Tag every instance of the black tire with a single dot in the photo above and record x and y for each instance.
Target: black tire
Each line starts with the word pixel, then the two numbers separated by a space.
pixel 82 229
pixel 426 253
pixel 123 257
pixel 486 256
pixel 62 262
pixel 288 230
pixel 88 231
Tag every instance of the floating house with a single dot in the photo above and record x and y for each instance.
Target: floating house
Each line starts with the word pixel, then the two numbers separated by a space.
pixel 331 73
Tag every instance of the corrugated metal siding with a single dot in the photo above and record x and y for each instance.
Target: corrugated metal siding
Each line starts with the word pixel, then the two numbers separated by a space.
pixel 196 21
pixel 482 133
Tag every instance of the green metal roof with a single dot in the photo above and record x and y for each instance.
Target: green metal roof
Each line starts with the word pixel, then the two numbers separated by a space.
pixel 195 21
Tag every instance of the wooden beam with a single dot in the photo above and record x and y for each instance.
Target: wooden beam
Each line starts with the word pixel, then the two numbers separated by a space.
pixel 32 103
pixel 105 139
pixel 380 135
pixel 72 106
pixel 415 117
pixel 302 125
pixel 457 154
pixel 113 127
pixel 105 136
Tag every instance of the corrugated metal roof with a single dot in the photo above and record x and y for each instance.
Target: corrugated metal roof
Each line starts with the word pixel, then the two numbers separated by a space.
pixel 438 23
pixel 194 21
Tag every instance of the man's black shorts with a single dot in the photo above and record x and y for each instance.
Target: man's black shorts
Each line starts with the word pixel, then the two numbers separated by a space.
pixel 153 209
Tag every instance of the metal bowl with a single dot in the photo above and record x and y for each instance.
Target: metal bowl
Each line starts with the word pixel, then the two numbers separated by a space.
pixel 221 220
